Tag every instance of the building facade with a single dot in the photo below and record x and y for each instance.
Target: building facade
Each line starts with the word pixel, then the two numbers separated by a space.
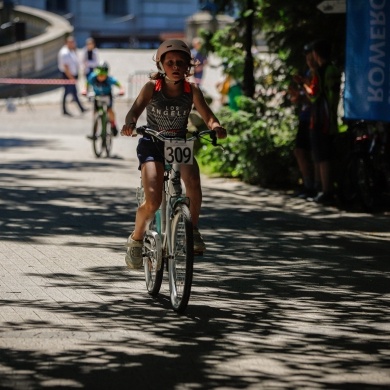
pixel 122 23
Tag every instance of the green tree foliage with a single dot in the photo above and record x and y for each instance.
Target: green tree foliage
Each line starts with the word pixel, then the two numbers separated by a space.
pixel 258 148
pixel 261 134
pixel 289 24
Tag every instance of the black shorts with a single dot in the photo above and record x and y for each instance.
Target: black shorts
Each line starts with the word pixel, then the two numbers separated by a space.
pixel 321 144
pixel 149 150
pixel 302 139
pixel 109 105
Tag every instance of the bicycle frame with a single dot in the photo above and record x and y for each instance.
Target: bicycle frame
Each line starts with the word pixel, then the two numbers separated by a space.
pixel 168 204
pixel 102 102
pixel 169 200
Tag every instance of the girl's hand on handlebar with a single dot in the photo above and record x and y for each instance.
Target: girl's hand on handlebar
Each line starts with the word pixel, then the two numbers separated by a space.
pixel 221 132
pixel 129 130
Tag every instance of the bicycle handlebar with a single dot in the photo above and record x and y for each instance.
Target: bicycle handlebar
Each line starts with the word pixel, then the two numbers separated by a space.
pixel 142 130
pixel 92 95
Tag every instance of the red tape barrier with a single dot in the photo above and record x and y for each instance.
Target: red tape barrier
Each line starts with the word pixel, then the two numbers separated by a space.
pixel 37 81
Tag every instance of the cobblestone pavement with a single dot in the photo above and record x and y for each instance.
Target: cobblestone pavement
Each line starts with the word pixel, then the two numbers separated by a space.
pixel 289 295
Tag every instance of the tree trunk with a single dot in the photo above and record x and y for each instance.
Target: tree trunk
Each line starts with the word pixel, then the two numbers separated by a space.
pixel 249 79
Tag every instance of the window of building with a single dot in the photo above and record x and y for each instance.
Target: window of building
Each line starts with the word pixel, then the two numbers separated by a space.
pixel 57 6
pixel 117 7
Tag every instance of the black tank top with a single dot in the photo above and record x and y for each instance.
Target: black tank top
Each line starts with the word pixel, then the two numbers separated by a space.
pixel 163 113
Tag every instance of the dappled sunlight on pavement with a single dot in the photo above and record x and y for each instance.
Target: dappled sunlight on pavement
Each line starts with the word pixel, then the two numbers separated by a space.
pixel 288 295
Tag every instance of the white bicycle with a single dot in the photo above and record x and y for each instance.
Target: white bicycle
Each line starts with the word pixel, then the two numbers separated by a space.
pixel 169 239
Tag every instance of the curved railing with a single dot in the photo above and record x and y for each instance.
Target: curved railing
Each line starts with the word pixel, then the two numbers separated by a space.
pixel 35 57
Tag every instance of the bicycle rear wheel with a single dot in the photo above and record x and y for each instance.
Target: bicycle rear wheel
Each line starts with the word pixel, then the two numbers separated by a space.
pixel 152 257
pixel 108 140
pixel 99 130
pixel 181 263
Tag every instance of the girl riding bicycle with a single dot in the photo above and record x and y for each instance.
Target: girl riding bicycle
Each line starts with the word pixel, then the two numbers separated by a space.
pixel 168 98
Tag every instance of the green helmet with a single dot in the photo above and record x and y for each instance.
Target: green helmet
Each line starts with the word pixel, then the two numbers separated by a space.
pixel 102 69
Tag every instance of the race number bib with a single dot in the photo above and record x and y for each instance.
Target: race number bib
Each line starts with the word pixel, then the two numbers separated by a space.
pixel 179 151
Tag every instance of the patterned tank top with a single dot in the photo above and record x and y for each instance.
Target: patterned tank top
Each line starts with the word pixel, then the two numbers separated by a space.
pixel 164 114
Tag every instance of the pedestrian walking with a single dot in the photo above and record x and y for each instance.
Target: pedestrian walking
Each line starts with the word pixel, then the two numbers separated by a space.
pixel 69 66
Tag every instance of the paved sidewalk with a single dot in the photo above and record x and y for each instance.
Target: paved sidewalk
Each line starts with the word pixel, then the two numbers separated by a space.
pixel 289 295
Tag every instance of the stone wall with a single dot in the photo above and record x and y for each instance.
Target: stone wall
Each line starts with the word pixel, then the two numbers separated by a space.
pixel 35 57
pixel 203 20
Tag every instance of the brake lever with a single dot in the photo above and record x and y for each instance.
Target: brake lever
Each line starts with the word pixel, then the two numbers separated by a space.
pixel 214 141
pixel 213 136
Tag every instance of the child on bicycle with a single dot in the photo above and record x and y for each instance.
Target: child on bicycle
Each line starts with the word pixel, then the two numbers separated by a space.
pixel 101 84
pixel 168 98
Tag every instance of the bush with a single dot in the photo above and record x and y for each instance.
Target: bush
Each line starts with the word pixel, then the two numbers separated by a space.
pixel 259 146
pixel 261 134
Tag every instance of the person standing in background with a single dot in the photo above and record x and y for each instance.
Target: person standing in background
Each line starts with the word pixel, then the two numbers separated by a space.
pixel 200 59
pixel 324 94
pixel 302 150
pixel 90 57
pixel 229 88
pixel 68 64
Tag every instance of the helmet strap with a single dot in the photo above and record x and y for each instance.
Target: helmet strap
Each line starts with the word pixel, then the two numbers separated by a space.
pixel 161 68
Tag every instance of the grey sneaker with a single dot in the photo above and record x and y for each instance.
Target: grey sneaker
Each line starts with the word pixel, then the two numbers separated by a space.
pixel 199 245
pixel 134 253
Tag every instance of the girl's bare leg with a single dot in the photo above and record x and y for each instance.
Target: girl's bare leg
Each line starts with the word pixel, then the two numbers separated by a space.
pixel 152 178
pixel 191 177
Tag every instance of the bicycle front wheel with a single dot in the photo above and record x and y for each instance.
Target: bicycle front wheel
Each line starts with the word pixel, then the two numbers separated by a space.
pixel 152 257
pixel 181 263
pixel 365 182
pixel 99 130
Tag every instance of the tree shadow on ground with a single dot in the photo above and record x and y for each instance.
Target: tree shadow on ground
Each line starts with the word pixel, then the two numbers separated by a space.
pixel 34 207
pixel 11 143
pixel 265 323
pixel 288 295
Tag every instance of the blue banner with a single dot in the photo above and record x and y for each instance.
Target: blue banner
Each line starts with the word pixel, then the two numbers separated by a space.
pixel 367 71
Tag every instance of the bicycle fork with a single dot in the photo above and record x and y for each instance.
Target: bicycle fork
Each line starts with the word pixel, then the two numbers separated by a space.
pixel 165 225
